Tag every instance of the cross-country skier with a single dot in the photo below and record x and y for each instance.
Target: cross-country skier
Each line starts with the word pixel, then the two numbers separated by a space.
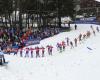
pixel 58 46
pixel 37 52
pixel 75 40
pixel 80 37
pixel 48 47
pixel 43 49
pixel 31 49
pixel 84 36
pixel 63 45
pixel 91 27
pixel 97 28
pixel 51 47
pixel 67 39
pixel 27 52
pixel 21 52
pixel 94 32
pixel 88 34
pixel 71 44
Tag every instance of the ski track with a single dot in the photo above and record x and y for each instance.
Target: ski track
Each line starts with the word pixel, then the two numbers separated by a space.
pixel 78 63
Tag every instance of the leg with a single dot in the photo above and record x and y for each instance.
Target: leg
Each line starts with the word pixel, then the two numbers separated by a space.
pixel 0 61
pixel 4 59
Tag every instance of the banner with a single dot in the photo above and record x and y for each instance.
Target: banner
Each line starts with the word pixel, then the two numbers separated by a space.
pixel 32 42
pixel 89 20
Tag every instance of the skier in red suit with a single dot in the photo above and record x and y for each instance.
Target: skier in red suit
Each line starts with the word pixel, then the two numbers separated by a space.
pixel 63 45
pixel 43 50
pixel 27 52
pixel 50 49
pixel 37 52
pixel 32 49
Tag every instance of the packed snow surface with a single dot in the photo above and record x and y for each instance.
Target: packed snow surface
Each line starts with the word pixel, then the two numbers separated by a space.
pixel 78 63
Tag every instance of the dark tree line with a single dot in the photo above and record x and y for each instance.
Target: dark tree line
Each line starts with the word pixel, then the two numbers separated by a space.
pixel 42 9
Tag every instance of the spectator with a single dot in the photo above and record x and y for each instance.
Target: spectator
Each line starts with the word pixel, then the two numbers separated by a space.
pixel 75 27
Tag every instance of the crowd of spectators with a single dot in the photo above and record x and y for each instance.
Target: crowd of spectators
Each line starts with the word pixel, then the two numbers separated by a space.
pixel 15 37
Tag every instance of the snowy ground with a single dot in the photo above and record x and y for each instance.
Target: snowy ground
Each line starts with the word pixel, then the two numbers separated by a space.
pixel 78 63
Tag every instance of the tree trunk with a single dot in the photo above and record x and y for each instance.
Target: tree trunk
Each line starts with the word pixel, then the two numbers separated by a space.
pixel 15 18
pixel 10 20
pixel 5 20
pixel 20 19
pixel 32 20
pixel 28 21
pixel 2 20
pixel 59 21
pixel 44 21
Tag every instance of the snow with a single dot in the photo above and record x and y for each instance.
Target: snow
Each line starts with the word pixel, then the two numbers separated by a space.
pixel 78 63
pixel 97 0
